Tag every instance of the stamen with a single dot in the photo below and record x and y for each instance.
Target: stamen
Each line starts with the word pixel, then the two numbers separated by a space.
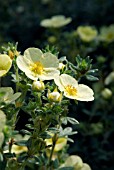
pixel 37 68
pixel 72 91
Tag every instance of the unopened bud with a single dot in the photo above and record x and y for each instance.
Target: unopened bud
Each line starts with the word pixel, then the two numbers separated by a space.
pixel 55 96
pixel 106 93
pixel 61 66
pixel 109 79
pixel 38 86
pixel 52 39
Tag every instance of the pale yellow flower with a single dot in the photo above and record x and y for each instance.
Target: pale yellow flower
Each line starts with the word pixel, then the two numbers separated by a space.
pixel 72 89
pixel 5 64
pixel 60 143
pixel 73 161
pixel 85 167
pixel 36 65
pixel 18 149
pixel 87 33
pixel 56 21
pixel 107 33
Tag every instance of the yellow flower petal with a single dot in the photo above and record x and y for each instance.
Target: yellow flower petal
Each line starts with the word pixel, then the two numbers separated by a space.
pixel 61 142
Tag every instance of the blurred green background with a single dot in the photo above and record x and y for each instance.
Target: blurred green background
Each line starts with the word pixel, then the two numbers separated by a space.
pixel 20 22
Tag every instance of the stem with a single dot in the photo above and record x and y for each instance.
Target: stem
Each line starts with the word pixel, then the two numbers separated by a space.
pixel 0 81
pixel 54 139
pixel 10 144
pixel 17 78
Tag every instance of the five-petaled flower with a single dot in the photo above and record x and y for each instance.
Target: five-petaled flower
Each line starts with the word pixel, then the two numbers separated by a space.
pixel 87 33
pixel 38 65
pixel 56 21
pixel 72 89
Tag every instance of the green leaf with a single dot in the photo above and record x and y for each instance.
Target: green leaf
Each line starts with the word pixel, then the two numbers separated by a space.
pixel 26 132
pixel 45 135
pixel 78 59
pixel 9 155
pixel 72 120
pixel 67 131
pixel 92 78
pixel 21 143
pixel 53 129
pixel 13 97
pixel 64 120
pixel 70 140
pixel 92 71
pixel 7 95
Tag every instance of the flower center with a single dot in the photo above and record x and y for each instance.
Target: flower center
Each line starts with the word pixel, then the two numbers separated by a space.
pixel 37 68
pixel 72 91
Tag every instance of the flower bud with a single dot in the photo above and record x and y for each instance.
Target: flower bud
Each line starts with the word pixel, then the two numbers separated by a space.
pixel 109 79
pixel 106 93
pixel 38 86
pixel 13 54
pixel 61 66
pixel 55 96
pixel 52 39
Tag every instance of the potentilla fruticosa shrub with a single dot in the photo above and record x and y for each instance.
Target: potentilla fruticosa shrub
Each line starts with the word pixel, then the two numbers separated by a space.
pixel 43 87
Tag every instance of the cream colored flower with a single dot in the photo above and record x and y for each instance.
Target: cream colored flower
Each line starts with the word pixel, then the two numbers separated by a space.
pixel 87 33
pixel 72 89
pixel 73 161
pixel 107 33
pixel 5 64
pixel 85 167
pixel 36 65
pixel 60 143
pixel 56 21
pixel 18 149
